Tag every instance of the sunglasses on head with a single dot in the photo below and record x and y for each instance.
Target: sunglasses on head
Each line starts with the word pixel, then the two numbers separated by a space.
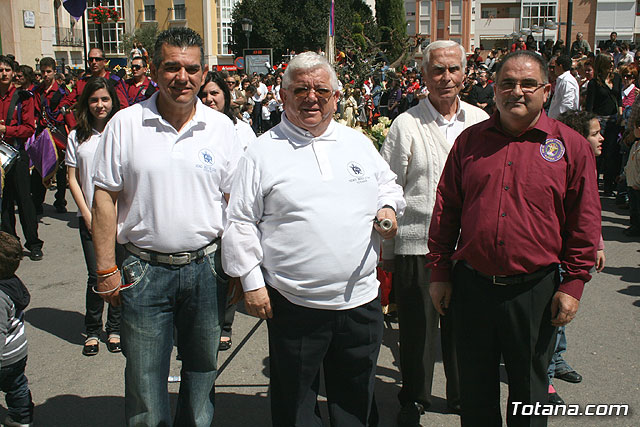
pixel 95 59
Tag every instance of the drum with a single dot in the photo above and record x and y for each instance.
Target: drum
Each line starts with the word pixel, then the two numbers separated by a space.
pixel 8 155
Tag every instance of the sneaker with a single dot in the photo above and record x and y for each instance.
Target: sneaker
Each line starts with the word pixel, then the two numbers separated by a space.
pixel 10 422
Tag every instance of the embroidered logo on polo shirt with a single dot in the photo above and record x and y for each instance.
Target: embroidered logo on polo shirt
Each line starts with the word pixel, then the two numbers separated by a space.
pixel 357 172
pixel 552 150
pixel 206 157
pixel 355 169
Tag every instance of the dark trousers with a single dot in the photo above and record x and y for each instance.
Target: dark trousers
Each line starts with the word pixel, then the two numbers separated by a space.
pixel 611 157
pixel 39 191
pixel 418 321
pixel 18 190
pixel 229 314
pixel 345 343
pixel 14 384
pixel 512 322
pixel 95 304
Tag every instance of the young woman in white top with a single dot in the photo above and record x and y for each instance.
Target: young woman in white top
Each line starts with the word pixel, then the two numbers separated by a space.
pixel 97 104
pixel 214 93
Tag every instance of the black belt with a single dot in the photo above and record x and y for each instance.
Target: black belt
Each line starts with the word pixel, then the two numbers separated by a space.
pixel 515 279
pixel 180 258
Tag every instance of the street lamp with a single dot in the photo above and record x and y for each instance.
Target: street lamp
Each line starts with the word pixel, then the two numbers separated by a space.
pixel 247 26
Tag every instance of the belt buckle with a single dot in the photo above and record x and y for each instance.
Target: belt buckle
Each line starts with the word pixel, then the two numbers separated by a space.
pixel 495 282
pixel 175 259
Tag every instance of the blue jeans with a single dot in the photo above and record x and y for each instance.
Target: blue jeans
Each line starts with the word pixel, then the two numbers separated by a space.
pixel 14 383
pixel 190 298
pixel 558 365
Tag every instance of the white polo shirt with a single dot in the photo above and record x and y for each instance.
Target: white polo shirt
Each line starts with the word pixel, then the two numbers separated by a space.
pixel 170 183
pixel 301 216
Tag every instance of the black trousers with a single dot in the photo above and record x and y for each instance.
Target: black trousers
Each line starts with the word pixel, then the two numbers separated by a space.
pixel 95 304
pixel 418 321
pixel 512 322
pixel 39 191
pixel 17 189
pixel 345 343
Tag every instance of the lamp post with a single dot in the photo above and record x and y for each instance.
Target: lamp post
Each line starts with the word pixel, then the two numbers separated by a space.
pixel 247 26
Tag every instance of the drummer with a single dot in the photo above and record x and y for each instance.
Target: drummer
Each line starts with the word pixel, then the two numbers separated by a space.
pixel 17 123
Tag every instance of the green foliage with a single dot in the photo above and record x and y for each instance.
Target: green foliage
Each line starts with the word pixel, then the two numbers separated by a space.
pixel 297 24
pixel 146 35
pixel 392 27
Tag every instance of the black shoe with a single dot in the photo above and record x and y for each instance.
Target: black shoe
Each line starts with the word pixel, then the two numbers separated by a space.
pixel 631 232
pixel 409 415
pixel 36 254
pixel 454 409
pixel 114 347
pixel 608 193
pixel 224 345
pixel 61 208
pixel 91 349
pixel 570 377
pixel 555 399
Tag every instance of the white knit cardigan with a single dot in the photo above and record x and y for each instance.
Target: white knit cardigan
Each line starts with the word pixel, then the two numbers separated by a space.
pixel 417 150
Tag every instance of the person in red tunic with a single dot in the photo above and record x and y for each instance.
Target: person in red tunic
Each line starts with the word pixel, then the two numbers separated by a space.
pixel 517 208
pixel 139 87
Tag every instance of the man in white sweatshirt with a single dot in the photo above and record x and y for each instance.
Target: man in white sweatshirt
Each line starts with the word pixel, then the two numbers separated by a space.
pixel 416 148
pixel 303 235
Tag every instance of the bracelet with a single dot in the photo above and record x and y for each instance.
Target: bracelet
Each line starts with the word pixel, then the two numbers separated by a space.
pixel 93 288
pixel 102 276
pixel 107 271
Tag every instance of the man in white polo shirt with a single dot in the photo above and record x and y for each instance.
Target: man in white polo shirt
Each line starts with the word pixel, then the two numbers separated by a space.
pixel 167 162
pixel 302 220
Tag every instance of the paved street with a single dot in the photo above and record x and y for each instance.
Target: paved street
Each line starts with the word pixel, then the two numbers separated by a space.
pixel 72 390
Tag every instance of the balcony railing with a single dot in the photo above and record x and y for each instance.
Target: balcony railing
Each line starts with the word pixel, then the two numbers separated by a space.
pixel 179 12
pixel 68 36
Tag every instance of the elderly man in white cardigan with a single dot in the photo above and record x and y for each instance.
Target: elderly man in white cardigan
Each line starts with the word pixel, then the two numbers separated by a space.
pixel 416 148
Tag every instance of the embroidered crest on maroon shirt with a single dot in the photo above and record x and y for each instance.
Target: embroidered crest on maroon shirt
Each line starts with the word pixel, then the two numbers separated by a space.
pixel 552 150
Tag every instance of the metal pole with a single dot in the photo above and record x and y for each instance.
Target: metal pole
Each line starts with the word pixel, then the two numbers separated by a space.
pixel 248 34
pixel 569 21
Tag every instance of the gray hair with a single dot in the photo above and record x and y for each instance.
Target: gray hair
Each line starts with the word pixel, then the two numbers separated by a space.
pixel 443 44
pixel 180 37
pixel 308 61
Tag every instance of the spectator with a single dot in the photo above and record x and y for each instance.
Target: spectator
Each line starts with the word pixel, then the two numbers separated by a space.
pixel 580 46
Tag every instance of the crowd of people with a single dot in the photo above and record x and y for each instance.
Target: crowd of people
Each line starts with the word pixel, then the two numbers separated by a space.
pixel 255 169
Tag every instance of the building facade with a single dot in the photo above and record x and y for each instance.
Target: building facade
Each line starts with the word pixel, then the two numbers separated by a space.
pixel 210 18
pixel 431 20
pixel 32 29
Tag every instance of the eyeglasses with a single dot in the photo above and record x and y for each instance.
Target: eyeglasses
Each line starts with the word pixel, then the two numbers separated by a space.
pixel 321 92
pixel 136 67
pixel 231 82
pixel 626 76
pixel 527 86
pixel 552 67
pixel 95 59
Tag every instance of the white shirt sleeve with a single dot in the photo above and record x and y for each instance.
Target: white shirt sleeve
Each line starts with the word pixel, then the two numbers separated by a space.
pixel 228 173
pixel 107 167
pixel 241 249
pixel 71 156
pixel 389 192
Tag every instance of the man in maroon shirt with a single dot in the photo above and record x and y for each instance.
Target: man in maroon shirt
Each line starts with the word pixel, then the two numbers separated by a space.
pixel 16 125
pixel 98 68
pixel 48 100
pixel 139 87
pixel 517 198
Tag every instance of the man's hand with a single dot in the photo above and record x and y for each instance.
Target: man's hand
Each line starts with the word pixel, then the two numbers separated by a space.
pixel 258 303
pixel 109 283
pixel 600 260
pixel 386 213
pixel 235 290
pixel 440 295
pixel 563 308
pixel 389 265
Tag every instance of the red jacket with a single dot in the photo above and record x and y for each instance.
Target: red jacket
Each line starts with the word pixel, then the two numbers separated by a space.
pixel 22 123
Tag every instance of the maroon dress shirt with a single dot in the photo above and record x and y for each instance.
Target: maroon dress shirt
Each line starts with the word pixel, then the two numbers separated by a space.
pixel 517 204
